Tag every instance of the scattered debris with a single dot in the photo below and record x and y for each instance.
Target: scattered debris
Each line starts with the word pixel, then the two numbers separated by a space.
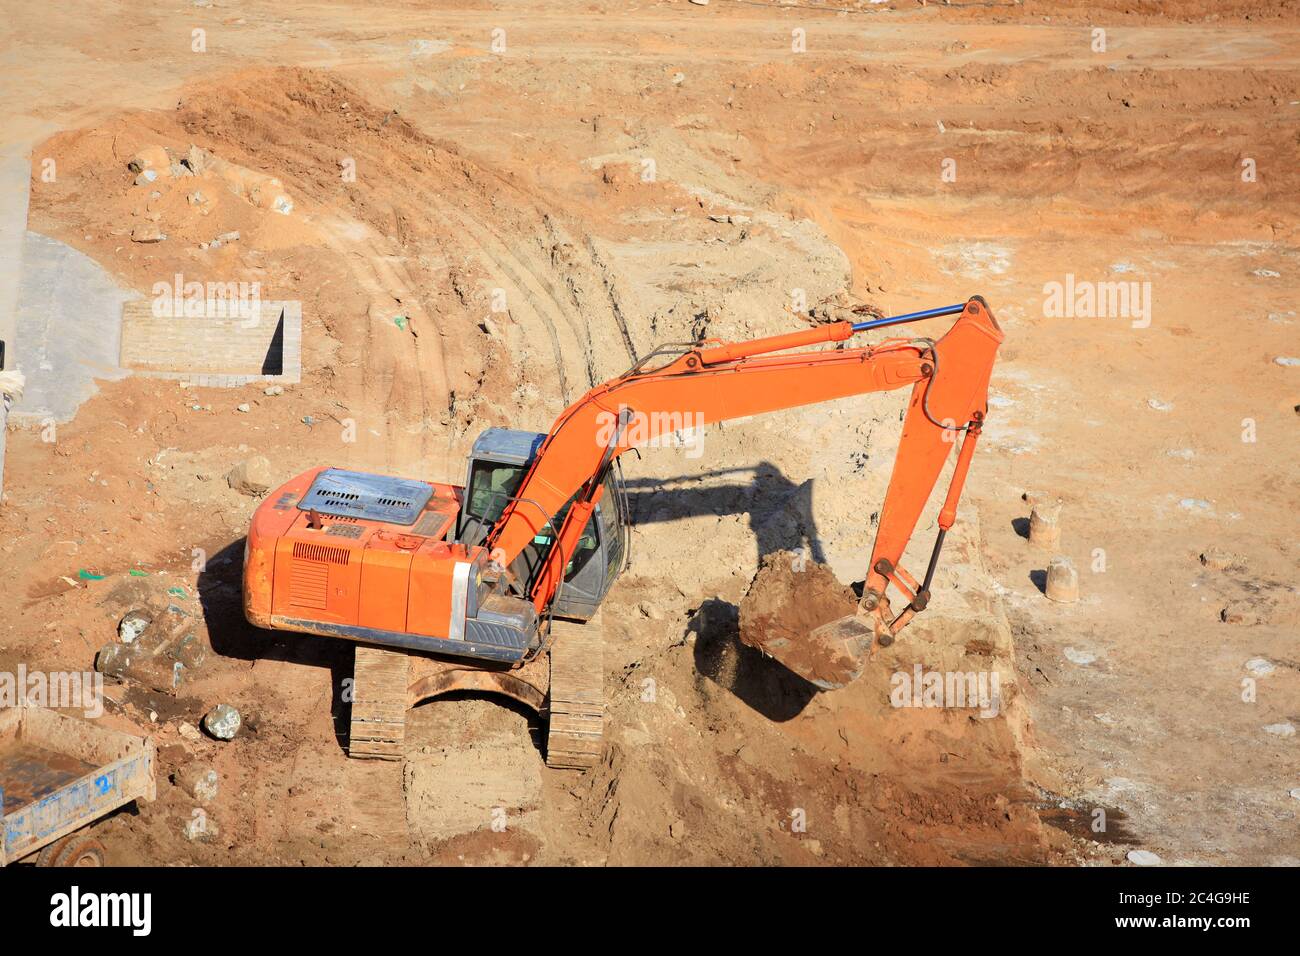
pixel 1143 858
pixel 1244 613
pixel 1220 559
pixel 160 655
pixel 200 828
pixel 221 240
pixel 151 157
pixel 147 232
pixel 197 160
pixel 252 476
pixel 1260 667
pixel 223 722
pixel 652 611
pixel 132 625
pixel 198 780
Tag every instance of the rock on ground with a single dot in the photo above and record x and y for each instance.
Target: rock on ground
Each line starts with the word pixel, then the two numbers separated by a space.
pixel 252 476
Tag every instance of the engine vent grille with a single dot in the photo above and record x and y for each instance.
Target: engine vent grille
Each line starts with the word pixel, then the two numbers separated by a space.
pixel 359 495
pixel 320 553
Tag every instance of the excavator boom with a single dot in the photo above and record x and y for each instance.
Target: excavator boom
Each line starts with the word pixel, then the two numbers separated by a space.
pixel 949 401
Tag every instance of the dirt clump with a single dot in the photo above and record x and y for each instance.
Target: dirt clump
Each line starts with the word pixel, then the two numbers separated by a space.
pixel 792 597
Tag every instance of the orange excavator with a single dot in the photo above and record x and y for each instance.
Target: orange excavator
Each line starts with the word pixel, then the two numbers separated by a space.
pixel 496 586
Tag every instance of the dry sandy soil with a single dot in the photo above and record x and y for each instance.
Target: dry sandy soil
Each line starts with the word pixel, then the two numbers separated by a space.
pixel 522 169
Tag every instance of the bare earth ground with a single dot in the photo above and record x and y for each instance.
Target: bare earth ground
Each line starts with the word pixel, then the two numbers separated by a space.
pixel 522 171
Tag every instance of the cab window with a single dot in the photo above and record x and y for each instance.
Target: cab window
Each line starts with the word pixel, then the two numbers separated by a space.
pixel 491 487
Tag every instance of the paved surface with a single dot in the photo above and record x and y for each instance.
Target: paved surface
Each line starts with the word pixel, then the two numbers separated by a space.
pixel 69 323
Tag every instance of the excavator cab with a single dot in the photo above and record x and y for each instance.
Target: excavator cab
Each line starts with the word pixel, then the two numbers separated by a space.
pixel 497 464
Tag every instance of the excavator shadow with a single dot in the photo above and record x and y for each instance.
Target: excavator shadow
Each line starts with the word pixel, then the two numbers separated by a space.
pixel 760 682
pixel 781 519
pixel 780 511
pixel 230 635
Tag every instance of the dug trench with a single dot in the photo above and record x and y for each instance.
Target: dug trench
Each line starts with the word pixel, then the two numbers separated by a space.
pixel 440 295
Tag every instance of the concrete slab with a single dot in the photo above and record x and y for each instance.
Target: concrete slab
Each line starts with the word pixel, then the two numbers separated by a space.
pixel 68 329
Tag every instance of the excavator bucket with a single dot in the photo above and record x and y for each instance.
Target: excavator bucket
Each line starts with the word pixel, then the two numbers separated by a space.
pixel 830 656
pixel 798 613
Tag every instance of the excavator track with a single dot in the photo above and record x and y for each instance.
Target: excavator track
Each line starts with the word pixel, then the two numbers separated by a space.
pixel 379 702
pixel 576 702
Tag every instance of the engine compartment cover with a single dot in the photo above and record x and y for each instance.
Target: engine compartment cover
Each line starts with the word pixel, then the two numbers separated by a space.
pixel 357 494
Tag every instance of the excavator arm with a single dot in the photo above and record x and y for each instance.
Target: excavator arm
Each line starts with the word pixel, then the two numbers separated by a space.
pixel 706 383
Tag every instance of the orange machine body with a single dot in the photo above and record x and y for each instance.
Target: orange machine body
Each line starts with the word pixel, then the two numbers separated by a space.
pixel 346 576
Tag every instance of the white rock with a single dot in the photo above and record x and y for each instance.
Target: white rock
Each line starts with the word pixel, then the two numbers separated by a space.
pixel 1143 858
pixel 223 722
pixel 1260 667
pixel 1082 658
pixel 1284 729
pixel 1286 360
pixel 200 828
pixel 132 625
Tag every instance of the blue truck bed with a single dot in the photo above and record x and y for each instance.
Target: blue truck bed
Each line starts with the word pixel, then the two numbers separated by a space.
pixel 58 774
